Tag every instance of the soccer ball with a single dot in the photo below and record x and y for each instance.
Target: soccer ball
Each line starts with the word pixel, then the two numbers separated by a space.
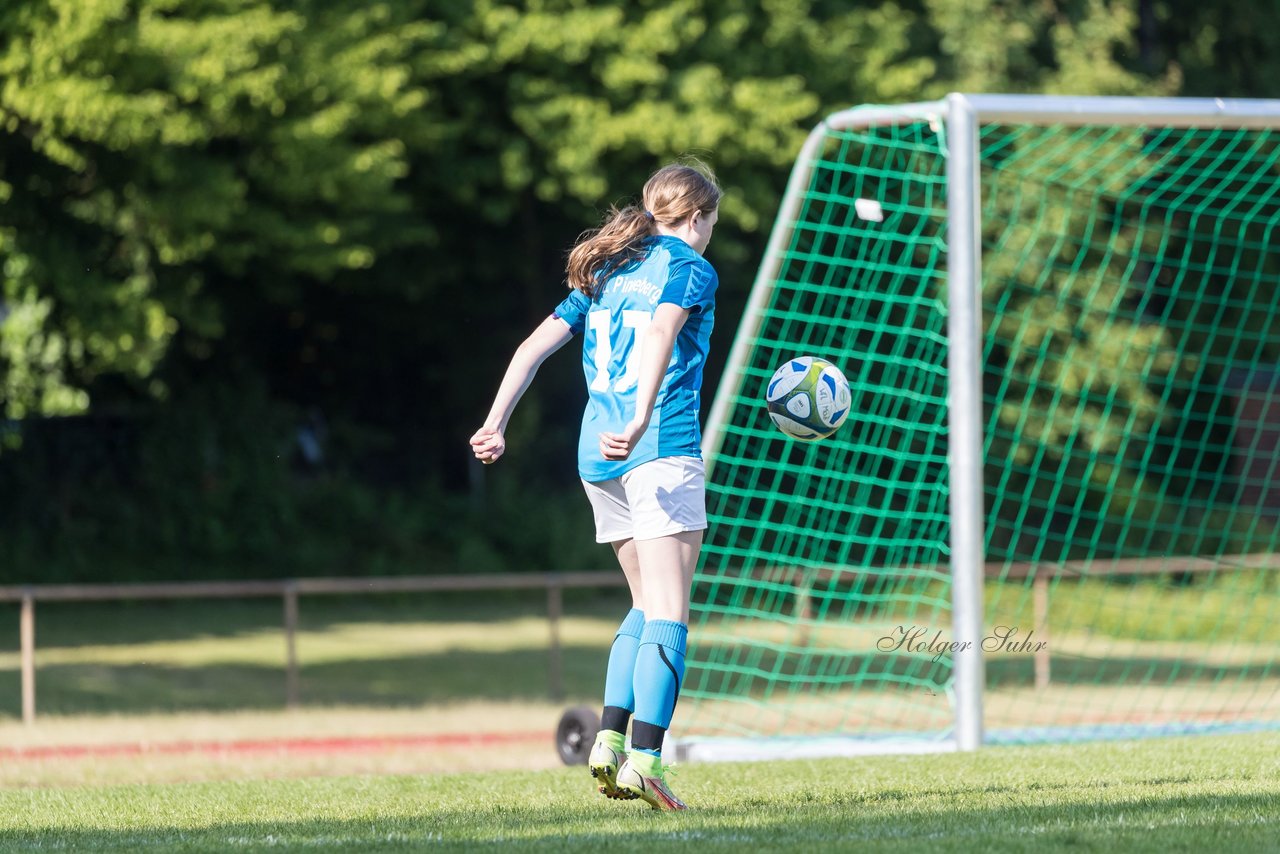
pixel 808 398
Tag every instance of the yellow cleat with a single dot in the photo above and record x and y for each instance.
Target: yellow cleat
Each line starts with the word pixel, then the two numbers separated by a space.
pixel 604 764
pixel 645 779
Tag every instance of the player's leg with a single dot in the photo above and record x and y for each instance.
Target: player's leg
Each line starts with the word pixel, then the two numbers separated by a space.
pixel 668 503
pixel 613 525
pixel 609 751
pixel 667 565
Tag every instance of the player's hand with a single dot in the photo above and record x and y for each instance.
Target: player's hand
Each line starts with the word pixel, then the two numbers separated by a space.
pixel 618 446
pixel 488 444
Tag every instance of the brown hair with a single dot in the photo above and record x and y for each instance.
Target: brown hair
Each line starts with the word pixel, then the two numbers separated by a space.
pixel 671 194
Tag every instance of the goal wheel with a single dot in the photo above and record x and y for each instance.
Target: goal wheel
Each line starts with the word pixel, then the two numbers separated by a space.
pixel 575 734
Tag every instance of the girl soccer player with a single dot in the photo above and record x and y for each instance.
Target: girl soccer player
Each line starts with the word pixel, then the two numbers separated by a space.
pixel 643 298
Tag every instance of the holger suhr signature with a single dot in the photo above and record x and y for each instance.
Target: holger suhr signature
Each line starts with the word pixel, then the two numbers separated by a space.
pixel 917 639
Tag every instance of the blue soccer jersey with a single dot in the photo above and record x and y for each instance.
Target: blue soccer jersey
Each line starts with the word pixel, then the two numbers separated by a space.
pixel 613 325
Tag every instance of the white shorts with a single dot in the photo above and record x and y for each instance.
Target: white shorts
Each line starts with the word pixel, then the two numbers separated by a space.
pixel 663 496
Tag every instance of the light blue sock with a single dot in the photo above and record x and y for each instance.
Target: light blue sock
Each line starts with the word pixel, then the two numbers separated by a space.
pixel 659 671
pixel 619 691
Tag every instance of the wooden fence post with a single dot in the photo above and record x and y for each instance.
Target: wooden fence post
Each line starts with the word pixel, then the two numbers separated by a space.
pixel 555 605
pixel 27 634
pixel 1040 604
pixel 291 644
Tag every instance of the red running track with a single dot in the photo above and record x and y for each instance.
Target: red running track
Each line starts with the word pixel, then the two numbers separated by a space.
pixel 276 745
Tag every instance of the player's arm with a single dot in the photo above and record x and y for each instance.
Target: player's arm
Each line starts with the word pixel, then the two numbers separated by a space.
pixel 655 354
pixel 488 443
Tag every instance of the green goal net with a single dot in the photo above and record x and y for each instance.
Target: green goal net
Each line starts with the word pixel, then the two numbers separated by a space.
pixel 1130 406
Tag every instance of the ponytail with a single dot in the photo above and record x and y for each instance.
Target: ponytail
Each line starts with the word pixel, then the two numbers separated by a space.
pixel 671 195
pixel 615 244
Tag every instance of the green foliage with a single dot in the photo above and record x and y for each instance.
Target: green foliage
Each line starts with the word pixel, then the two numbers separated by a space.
pixel 197 191
pixel 1082 48
pixel 150 147
pixel 1216 49
pixel 217 488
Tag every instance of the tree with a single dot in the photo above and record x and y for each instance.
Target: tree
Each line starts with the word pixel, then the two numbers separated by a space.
pixel 151 147
pixel 362 208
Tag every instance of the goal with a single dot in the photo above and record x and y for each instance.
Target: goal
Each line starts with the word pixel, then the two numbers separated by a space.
pixel 1054 510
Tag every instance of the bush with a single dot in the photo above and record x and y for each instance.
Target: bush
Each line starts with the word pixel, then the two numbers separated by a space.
pixel 212 486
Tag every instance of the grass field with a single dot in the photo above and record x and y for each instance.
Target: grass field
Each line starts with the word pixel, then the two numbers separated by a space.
pixel 1193 794
pixel 149 676
pixel 193 693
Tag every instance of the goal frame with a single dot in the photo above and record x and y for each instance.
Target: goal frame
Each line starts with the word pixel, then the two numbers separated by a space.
pixel 961 116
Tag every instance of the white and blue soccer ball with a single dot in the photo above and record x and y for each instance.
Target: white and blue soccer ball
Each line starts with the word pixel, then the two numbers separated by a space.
pixel 808 398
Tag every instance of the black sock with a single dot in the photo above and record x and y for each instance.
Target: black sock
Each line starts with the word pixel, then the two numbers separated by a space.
pixel 615 718
pixel 647 737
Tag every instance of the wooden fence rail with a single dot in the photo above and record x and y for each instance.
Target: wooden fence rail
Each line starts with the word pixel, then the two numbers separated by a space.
pixel 289 590
pixel 801 579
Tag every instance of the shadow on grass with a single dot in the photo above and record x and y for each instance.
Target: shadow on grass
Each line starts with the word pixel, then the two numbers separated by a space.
pixel 744 669
pixel 798 820
pixel 517 675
